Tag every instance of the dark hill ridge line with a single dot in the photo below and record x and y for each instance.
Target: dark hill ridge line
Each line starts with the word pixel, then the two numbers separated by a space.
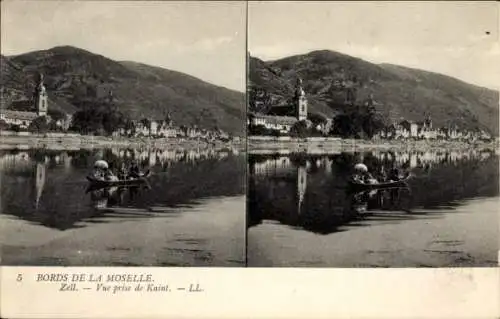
pixel 401 91
pixel 411 69
pixel 327 53
pixel 139 90
pixel 173 72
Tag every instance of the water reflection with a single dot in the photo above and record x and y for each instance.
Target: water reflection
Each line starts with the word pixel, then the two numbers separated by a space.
pixel 192 213
pixel 39 181
pixel 48 187
pixel 19 160
pixel 310 192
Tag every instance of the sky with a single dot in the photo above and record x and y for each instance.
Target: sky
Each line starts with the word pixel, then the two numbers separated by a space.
pixel 208 39
pixel 203 39
pixel 459 39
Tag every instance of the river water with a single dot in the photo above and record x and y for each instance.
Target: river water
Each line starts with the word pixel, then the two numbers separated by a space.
pixel 301 213
pixel 193 214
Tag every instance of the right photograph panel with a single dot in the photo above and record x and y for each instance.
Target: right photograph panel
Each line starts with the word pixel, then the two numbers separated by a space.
pixel 373 134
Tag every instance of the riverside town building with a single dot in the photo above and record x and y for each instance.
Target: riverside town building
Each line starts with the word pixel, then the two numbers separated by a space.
pixel 39 106
pixel 284 123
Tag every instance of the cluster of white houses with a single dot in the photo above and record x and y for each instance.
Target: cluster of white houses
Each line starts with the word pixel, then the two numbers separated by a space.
pixel 424 130
pixel 165 129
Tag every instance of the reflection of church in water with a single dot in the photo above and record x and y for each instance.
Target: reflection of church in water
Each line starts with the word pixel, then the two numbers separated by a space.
pixel 40 176
pixel 309 192
pixel 294 192
pixel 28 166
pixel 41 171
pixel 283 179
pixel 301 187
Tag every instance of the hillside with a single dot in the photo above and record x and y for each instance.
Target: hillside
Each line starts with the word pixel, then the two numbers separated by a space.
pixel 400 92
pixel 72 76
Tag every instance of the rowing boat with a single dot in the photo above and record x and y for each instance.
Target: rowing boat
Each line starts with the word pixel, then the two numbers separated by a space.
pixel 357 186
pixel 98 183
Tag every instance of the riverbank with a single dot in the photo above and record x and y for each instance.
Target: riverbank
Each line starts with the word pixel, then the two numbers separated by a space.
pixel 328 145
pixel 256 144
pixel 75 142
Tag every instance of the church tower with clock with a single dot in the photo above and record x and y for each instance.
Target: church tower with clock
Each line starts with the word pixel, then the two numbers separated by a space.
pixel 41 97
pixel 300 101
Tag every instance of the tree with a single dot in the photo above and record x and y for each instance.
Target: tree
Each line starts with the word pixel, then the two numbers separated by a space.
pixel 359 122
pixel 258 99
pixel 56 114
pixel 112 120
pixel 372 123
pixel 98 119
pixel 39 125
pixel 302 129
pixel 87 121
pixel 147 124
pixel 3 125
pixel 130 126
pixel 168 119
pixel 54 127
pixel 347 125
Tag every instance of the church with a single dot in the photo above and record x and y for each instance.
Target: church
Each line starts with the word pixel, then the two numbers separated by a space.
pixel 37 107
pixel 280 117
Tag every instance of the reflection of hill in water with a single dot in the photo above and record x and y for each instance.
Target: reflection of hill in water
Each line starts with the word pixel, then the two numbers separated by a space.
pixel 48 188
pixel 442 180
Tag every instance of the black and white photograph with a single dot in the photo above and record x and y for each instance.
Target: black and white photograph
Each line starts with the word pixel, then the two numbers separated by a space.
pixel 228 159
pixel 373 134
pixel 123 133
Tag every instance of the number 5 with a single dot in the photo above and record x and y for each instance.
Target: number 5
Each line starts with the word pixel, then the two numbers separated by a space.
pixel 19 277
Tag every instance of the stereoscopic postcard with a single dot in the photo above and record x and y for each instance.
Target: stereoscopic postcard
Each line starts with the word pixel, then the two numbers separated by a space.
pixel 249 159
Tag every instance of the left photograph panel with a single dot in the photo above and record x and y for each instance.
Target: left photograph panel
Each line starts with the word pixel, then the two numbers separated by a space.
pixel 122 133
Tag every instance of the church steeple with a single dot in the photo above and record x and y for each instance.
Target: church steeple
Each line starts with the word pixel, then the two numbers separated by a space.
pixel 40 97
pixel 300 101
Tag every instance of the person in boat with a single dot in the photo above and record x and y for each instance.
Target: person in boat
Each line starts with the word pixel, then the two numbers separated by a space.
pixel 369 179
pixel 99 170
pixel 109 176
pixel 359 204
pixel 97 173
pixel 134 171
pixel 394 175
pixel 123 172
pixel 362 175
pixel 383 174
